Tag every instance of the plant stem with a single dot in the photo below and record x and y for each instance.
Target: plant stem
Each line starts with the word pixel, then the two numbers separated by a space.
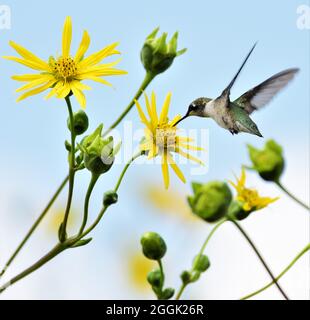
pixel 280 185
pixel 147 80
pixel 184 285
pixel 60 247
pixel 91 186
pixel 299 255
pixel 182 288
pixel 162 273
pixel 104 208
pixel 63 230
pixel 35 225
pixel 259 256
pixel 54 252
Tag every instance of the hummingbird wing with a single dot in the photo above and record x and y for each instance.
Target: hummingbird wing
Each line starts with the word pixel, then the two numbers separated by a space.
pixel 226 93
pixel 262 94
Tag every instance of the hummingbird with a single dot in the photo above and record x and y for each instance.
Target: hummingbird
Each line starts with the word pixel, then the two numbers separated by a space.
pixel 235 115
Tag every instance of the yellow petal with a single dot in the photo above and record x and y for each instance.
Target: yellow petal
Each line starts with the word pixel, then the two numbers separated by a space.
pixel 96 79
pixel 154 109
pixel 79 96
pixel 36 90
pixel 83 47
pixel 63 90
pixel 27 55
pixel 243 177
pixel 190 147
pixel 27 77
pixel 148 107
pixel 175 120
pixel 175 168
pixel 165 109
pixel 153 151
pixel 142 115
pixel 188 156
pixel 165 171
pixel 66 37
pixel 34 83
pixel 28 63
pixel 98 56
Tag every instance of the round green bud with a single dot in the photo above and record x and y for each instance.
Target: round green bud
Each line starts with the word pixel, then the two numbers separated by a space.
pixel 268 162
pixel 201 263
pixel 80 121
pixel 154 278
pixel 186 277
pixel 167 294
pixel 153 245
pixel 94 163
pixel 157 54
pixel 236 211
pixel 211 200
pixel 109 198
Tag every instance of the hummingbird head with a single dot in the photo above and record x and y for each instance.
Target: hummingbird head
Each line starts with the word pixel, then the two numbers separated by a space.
pixel 196 108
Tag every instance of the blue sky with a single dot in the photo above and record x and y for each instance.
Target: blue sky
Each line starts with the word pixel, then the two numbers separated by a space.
pixel 218 34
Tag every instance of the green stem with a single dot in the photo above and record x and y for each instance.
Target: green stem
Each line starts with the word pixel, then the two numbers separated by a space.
pixel 162 273
pixel 280 185
pixel 63 231
pixel 180 292
pixel 60 247
pixel 103 210
pixel 184 285
pixel 93 180
pixel 54 252
pixel 147 80
pixel 299 255
pixel 259 256
pixel 35 225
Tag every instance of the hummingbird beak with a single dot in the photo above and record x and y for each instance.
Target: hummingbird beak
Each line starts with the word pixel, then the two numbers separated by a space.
pixel 187 114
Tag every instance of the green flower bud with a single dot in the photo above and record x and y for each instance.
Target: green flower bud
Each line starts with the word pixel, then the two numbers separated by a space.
pixel 201 263
pixel 154 278
pixel 99 153
pixel 186 277
pixel 153 245
pixel 157 55
pixel 109 198
pixel 236 211
pixel 268 162
pixel 80 121
pixel 211 200
pixel 167 294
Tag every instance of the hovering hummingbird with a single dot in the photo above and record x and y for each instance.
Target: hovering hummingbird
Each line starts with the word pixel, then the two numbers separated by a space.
pixel 235 115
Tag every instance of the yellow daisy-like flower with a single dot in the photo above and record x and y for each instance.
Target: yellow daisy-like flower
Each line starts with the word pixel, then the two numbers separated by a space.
pixel 65 73
pixel 249 197
pixel 161 137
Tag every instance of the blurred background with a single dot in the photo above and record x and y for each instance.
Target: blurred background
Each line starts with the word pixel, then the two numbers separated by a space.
pixel 218 34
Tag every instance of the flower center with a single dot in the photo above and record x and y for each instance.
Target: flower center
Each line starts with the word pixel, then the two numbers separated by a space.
pixel 165 137
pixel 65 68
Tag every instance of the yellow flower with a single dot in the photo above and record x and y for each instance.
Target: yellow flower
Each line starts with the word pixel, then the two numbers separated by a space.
pixel 161 137
pixel 168 202
pixel 138 269
pixel 65 73
pixel 249 197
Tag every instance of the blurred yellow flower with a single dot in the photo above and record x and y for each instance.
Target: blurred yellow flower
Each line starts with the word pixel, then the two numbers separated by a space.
pixel 161 137
pixel 65 73
pixel 249 197
pixel 138 268
pixel 56 217
pixel 172 201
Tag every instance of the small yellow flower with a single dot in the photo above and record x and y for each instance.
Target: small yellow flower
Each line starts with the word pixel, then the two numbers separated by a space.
pixel 161 137
pixel 138 269
pixel 65 73
pixel 249 197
